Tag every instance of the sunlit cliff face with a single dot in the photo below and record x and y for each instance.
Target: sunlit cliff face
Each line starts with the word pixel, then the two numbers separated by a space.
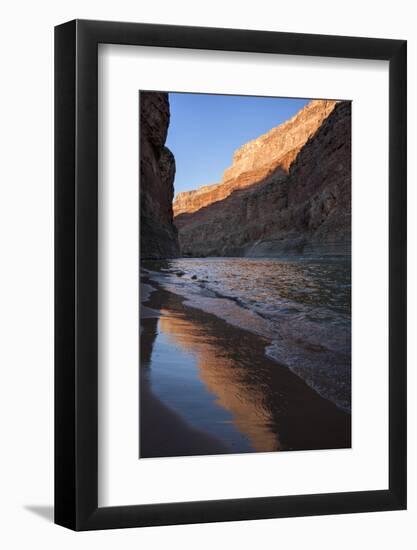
pixel 288 194
pixel 270 153
pixel 232 382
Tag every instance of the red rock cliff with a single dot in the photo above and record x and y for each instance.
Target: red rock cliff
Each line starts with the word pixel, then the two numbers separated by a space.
pixel 257 159
pixel 158 235
pixel 298 206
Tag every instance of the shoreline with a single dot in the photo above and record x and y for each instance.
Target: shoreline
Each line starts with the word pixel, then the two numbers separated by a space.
pixel 296 330
pixel 265 403
pixel 183 439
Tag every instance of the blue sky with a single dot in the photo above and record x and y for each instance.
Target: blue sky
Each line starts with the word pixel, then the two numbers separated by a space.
pixel 205 130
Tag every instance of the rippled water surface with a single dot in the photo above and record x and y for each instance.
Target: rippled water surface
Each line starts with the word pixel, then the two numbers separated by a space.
pixel 270 284
pixel 302 306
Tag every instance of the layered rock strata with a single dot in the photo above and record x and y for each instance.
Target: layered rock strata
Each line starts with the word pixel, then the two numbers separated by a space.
pixel 270 153
pixel 158 234
pixel 294 199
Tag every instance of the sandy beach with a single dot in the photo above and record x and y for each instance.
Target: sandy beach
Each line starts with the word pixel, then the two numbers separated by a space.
pixel 207 387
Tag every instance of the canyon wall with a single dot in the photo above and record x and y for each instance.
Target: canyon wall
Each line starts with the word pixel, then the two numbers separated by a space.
pixel 257 159
pixel 289 192
pixel 158 234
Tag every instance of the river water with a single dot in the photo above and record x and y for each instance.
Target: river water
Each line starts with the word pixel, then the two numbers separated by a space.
pixel 301 307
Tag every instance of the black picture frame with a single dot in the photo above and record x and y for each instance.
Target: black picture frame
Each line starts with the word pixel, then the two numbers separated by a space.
pixel 76 271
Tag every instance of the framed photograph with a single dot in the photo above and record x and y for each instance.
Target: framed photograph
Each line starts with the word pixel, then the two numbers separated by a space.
pixel 230 254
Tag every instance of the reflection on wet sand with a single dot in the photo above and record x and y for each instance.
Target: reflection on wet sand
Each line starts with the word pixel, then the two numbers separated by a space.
pixel 228 378
pixel 218 381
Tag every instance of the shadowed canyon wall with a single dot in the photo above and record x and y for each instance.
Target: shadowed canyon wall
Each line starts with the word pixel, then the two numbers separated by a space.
pixel 158 235
pixel 286 192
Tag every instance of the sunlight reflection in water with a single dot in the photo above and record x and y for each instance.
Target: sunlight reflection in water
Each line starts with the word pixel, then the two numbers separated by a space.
pixel 209 391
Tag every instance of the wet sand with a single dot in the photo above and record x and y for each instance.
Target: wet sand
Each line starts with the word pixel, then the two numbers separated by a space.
pixel 165 433
pixel 207 387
